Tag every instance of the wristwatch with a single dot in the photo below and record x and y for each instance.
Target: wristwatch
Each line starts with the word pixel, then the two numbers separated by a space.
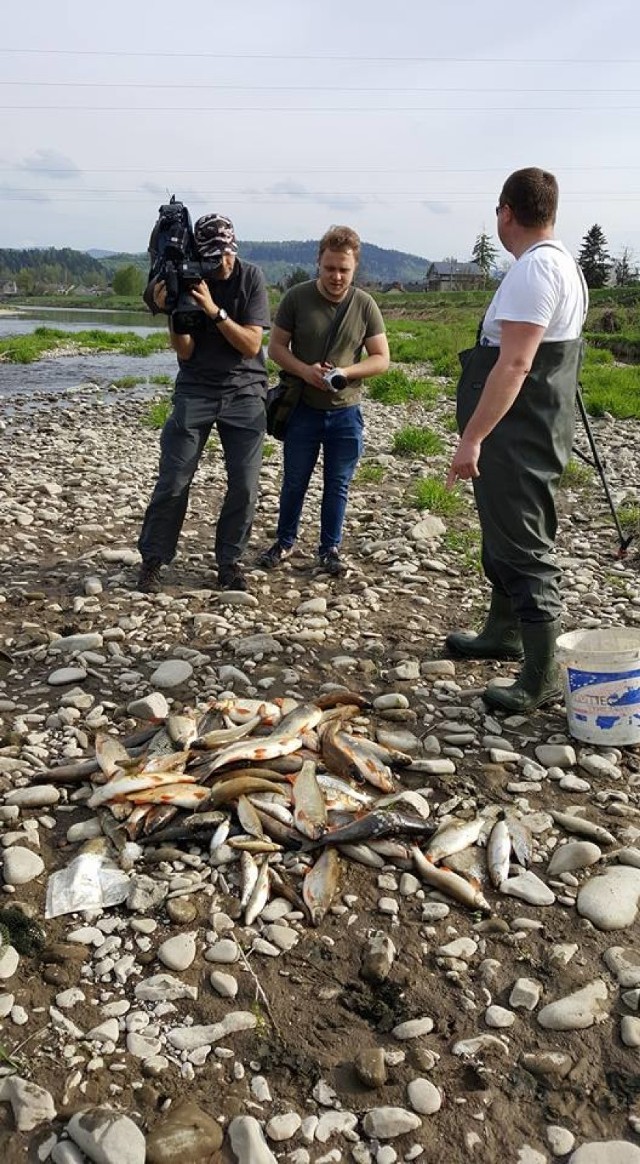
pixel 220 317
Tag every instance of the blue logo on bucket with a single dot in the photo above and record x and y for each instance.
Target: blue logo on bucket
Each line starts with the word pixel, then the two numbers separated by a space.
pixel 607 699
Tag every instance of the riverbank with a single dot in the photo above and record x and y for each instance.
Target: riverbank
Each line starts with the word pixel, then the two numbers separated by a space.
pixel 479 1073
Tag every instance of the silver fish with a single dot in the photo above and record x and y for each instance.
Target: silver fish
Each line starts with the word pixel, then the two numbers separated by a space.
pixel 249 870
pixel 303 718
pixel 263 748
pixel 259 896
pixel 321 884
pixel 454 836
pixel 583 828
pixel 181 795
pixel 248 817
pixel 521 839
pixel 110 754
pixel 364 855
pixel 221 737
pixel 228 790
pixel 339 793
pixel 498 853
pixel 449 883
pixel 219 836
pixel 182 727
pixel 124 785
pixel 310 810
pixel 239 711
pixel 254 844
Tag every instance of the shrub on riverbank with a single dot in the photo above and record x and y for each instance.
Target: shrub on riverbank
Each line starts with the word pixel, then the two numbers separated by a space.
pixel 25 349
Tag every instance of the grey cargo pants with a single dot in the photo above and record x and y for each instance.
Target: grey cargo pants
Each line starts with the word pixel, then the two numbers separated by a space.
pixel 520 466
pixel 240 422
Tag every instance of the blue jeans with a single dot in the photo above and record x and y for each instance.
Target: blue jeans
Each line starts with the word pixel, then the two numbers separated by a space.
pixel 339 433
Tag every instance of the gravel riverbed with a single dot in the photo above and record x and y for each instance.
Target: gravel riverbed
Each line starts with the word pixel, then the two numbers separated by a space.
pixel 404 1027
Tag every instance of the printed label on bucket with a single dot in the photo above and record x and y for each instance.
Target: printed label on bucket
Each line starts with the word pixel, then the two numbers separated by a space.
pixel 604 697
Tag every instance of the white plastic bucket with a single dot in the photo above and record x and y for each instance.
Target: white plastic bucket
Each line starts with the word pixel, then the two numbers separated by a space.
pixel 601 673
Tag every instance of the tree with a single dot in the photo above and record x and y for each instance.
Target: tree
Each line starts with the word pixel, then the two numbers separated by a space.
pixel 298 275
pixel 128 281
pixel 594 257
pixel 626 270
pixel 484 254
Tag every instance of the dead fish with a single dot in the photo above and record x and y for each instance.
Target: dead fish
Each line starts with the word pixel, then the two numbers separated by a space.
pixel 249 870
pixel 416 802
pixel 392 850
pixel 309 808
pixel 158 817
pixel 181 795
pixel 231 789
pixel 239 711
pixel 182 727
pixel 392 756
pixel 134 824
pixel 170 762
pixel 125 786
pixel 248 817
pixel 111 754
pixel 348 755
pixel 341 794
pixel 449 883
pixel 259 896
pixel 340 696
pixel 342 712
pixel 379 823
pixel 521 840
pixel 364 855
pixel 498 853
pixel 583 828
pixel 454 836
pixel 470 864
pixel 161 744
pixel 321 884
pixel 284 889
pixel 221 737
pixel 286 836
pixel 220 835
pixel 271 806
pixel 303 718
pixel 254 844
pixel 190 827
pixel 263 748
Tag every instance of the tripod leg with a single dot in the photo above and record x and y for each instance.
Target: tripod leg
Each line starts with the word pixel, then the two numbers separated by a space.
pixel 624 542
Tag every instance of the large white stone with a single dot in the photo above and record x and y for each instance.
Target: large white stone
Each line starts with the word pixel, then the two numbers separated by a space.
pixel 35 796
pixel 573 855
pixel 21 865
pixel 31 1105
pixel 248 1143
pixel 178 953
pixel 610 901
pixel 576 1011
pixel 151 706
pixel 528 887
pixel 172 673
pixel 385 1123
pixel 424 1097
pixel 107 1136
pixel 606 1152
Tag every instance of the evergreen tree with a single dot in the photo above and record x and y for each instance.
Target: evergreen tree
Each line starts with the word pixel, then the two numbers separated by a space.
pixel 298 275
pixel 594 257
pixel 484 254
pixel 626 269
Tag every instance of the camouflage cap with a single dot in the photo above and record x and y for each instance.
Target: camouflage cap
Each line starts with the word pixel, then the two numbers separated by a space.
pixel 215 236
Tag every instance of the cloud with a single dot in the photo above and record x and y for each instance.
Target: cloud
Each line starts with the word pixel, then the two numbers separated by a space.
pixel 51 164
pixel 438 207
pixel 295 192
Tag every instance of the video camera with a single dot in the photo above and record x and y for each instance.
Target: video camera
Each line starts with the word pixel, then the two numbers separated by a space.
pixel 174 258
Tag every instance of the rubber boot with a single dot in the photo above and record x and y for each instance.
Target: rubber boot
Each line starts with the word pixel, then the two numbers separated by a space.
pixel 499 638
pixel 537 682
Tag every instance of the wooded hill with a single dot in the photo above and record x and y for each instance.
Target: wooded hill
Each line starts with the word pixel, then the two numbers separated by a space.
pixel 64 267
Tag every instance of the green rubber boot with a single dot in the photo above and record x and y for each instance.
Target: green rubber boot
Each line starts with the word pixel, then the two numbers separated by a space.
pixel 499 638
pixel 537 682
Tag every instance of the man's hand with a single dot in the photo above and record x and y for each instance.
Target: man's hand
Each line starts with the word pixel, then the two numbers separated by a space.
pixel 202 296
pixel 160 294
pixel 465 462
pixel 314 376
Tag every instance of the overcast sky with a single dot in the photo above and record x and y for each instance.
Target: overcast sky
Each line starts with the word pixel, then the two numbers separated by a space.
pixel 400 119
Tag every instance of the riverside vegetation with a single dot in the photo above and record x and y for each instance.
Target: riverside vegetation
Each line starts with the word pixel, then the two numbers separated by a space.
pixel 426 331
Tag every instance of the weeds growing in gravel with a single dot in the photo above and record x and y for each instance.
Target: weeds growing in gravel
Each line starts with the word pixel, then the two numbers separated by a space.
pixel 268 450
pixel 25 349
pixel 465 543
pixel 629 516
pixel 157 413
pixel 430 493
pixel 126 382
pixel 395 387
pixel 369 474
pixel 575 475
pixel 412 440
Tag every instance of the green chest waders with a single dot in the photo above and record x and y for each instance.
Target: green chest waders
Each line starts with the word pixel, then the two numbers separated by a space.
pixel 520 465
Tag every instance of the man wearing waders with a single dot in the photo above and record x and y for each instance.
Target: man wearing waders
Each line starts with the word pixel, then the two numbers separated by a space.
pixel 515 409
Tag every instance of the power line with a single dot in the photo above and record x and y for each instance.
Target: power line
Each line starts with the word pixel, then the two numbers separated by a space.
pixel 306 88
pixel 325 57
pixel 341 109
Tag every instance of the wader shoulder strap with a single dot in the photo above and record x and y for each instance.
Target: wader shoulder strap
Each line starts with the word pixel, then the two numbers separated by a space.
pixel 335 323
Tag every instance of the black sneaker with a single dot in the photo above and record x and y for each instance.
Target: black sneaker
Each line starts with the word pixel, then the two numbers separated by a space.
pixel 231 577
pixel 332 564
pixel 273 557
pixel 149 577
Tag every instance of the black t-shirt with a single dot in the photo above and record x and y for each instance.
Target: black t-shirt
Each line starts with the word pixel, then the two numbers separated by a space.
pixel 216 367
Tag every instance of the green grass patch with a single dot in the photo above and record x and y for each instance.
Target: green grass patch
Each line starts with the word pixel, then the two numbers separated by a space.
pixel 161 378
pixel 629 516
pixel 466 543
pixel 576 474
pixel 412 440
pixel 430 493
pixel 157 413
pixel 126 382
pixel 268 450
pixel 25 349
pixel 612 389
pixel 369 474
pixel 422 341
pixel 395 387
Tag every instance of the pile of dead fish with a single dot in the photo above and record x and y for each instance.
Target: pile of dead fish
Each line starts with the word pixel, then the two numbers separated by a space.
pixel 263 779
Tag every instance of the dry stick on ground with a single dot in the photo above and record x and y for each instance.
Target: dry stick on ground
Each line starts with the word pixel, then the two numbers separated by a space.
pixel 260 994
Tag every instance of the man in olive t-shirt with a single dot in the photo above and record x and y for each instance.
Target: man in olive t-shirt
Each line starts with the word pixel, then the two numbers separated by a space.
pixel 328 415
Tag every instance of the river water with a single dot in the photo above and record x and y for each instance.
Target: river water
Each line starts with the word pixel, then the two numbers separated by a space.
pixel 57 373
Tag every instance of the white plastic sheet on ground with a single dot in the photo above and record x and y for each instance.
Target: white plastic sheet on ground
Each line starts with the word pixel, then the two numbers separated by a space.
pixel 90 881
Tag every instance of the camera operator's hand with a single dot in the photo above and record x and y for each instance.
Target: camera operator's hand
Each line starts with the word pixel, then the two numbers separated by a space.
pixel 315 376
pixel 160 294
pixel 202 296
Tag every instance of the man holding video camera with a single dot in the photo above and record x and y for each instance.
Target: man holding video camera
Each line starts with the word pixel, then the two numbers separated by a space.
pixel 221 382
pixel 320 331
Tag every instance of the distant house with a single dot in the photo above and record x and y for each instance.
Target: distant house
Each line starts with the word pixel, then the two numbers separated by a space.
pixel 450 275
pixel 9 288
